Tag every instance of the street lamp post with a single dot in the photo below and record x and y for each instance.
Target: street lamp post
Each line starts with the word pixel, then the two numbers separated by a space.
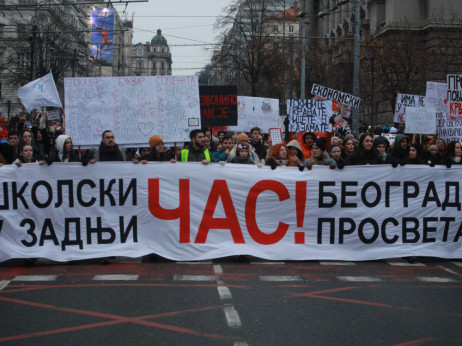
pixel 355 111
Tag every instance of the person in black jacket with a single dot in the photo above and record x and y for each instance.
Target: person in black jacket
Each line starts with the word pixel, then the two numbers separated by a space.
pixel 157 151
pixel 400 152
pixel 365 155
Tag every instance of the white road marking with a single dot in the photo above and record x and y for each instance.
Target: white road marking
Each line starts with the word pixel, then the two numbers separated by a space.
pixel 268 262
pixel 459 264
pixel 404 263
pixel 3 284
pixel 336 263
pixel 280 278
pixel 217 269
pixel 240 343
pixel 435 279
pixel 224 292
pixel 195 262
pixel 35 278
pixel 449 270
pixel 359 278
pixel 116 277
pixel 232 317
pixel 194 278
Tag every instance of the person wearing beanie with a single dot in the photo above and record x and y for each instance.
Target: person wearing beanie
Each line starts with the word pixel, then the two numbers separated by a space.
pixel 319 156
pixel 156 152
pixel 366 154
pixel 242 155
pixel 400 152
pixel 243 139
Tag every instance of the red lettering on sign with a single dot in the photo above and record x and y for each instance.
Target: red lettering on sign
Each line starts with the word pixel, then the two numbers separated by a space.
pixel 182 212
pixel 231 222
pixel 250 211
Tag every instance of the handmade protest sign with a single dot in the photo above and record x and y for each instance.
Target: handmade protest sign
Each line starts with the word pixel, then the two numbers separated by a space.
pixel 420 120
pixel 188 211
pixel 276 136
pixel 256 112
pixel 335 95
pixel 402 102
pixel 218 105
pixel 446 129
pixel 454 97
pixel 134 108
pixel 309 115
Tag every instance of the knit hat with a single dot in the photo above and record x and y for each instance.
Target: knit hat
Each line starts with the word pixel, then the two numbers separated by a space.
pixel 309 134
pixel 154 140
pixel 320 143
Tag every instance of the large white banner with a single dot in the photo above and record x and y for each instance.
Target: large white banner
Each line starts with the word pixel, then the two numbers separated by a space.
pixel 257 111
pixel 134 108
pixel 190 211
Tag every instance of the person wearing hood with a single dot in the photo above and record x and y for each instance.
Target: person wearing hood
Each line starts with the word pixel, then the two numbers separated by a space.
pixel 381 145
pixel 108 149
pixel 307 144
pixel 64 151
pixel 320 156
pixel 400 151
pixel 435 156
pixel 366 154
pixel 415 155
pixel 296 156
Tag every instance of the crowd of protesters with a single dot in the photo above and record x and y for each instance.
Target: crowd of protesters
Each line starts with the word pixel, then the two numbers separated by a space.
pixel 43 144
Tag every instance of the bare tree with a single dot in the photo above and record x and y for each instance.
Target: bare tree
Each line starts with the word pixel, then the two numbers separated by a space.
pixel 250 48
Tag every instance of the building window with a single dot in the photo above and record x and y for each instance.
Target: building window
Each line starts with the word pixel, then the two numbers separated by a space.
pixel 162 49
pixel 275 29
pixel 1 91
pixel 140 64
pixel 162 67
pixel 291 28
pixel 154 49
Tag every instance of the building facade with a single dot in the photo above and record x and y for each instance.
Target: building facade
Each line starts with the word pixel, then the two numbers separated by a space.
pixel 152 58
pixel 404 44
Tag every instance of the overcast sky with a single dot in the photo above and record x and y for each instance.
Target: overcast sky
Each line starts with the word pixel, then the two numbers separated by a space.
pixel 183 22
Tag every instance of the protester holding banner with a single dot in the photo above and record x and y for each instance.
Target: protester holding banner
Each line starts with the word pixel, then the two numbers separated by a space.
pixel 452 154
pixel 307 143
pixel 64 151
pixel 6 156
pixel 243 139
pixel 435 157
pixel 108 149
pixel 349 146
pixel 42 140
pixel 295 153
pixel 196 151
pixel 400 151
pixel 279 156
pixel 320 156
pixel 415 154
pixel 366 154
pixel 13 139
pixel 381 145
pixel 26 156
pixel 157 151
pixel 27 138
pixel 335 152
pixel 226 147
pixel 242 155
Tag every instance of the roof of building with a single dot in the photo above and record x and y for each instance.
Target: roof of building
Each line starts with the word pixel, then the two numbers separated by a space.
pixel 159 38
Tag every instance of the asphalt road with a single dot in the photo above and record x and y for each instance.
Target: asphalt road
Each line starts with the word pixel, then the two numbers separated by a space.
pixel 231 301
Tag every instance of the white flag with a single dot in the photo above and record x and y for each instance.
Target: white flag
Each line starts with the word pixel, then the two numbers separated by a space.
pixel 40 92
